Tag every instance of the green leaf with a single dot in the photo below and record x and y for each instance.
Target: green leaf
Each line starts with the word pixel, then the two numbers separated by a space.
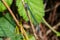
pixel 36 10
pixel 58 34
pixel 31 38
pixel 2 7
pixel 19 37
pixel 21 10
pixel 7 26
pixel 1 39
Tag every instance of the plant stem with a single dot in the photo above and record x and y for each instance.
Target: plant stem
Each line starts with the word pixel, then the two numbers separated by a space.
pixel 49 26
pixel 32 26
pixel 15 19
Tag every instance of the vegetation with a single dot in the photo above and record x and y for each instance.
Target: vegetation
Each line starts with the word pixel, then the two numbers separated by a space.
pixel 24 20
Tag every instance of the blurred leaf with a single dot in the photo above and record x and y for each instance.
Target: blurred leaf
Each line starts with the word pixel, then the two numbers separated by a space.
pixel 2 7
pixel 19 37
pixel 1 39
pixel 36 10
pixel 31 37
pixel 7 26
pixel 58 34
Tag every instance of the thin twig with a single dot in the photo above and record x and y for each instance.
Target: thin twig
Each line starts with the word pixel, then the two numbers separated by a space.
pixel 32 26
pixel 17 22
pixel 54 13
pixel 54 27
pixel 43 32
pixel 49 26
pixel 50 9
